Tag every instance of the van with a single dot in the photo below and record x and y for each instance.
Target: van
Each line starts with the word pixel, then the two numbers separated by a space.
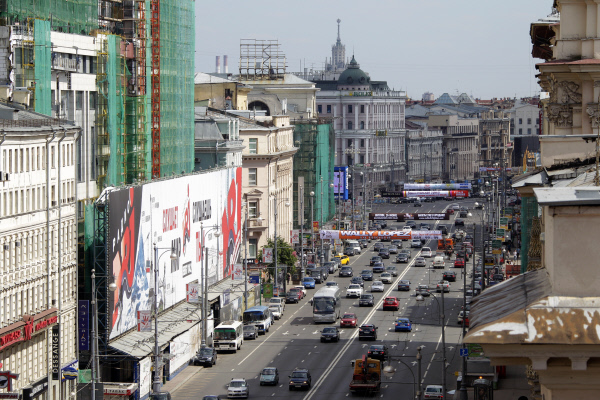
pixel 438 262
pixel 355 245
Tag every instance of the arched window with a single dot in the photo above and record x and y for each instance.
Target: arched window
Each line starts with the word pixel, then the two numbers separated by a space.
pixel 349 125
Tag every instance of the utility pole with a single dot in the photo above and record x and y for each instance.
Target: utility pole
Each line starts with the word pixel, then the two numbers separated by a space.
pixel 301 221
pixel 419 373
pixel 275 252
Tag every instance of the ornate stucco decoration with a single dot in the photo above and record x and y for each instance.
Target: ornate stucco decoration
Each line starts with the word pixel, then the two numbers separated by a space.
pixel 564 92
pixel 561 115
pixel 593 110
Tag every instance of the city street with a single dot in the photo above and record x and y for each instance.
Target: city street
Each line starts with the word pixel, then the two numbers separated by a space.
pixel 294 340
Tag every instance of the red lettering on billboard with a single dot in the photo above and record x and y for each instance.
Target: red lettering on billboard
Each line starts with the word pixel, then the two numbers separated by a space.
pixel 170 219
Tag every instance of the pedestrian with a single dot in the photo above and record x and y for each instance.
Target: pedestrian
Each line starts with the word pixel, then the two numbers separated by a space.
pixel 518 252
pixel 516 256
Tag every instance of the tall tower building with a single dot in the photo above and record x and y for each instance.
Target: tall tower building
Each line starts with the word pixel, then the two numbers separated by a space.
pixel 337 62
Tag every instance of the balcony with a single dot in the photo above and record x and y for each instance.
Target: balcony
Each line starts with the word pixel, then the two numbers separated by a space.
pixel 256 223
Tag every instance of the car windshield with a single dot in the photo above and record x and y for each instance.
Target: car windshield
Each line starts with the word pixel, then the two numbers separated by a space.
pixel 268 371
pixel 348 316
pixel 402 320
pixel 354 287
pixel 308 280
pixel 323 305
pixel 366 296
pixel 205 352
pixel 249 328
pixel 237 384
pixel 328 330
pixel 298 374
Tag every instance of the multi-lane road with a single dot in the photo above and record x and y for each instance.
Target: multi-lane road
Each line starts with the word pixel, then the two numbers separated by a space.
pixel 294 340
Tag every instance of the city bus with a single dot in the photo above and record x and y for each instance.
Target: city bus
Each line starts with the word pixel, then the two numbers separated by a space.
pixel 327 303
pixel 260 316
pixel 229 336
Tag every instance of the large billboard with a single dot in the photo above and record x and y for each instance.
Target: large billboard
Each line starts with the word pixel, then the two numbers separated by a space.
pixel 437 186
pixel 172 214
pixel 340 182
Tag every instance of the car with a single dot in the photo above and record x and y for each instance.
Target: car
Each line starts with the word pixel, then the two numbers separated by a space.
pixel 300 379
pixel 391 303
pixel 349 320
pixel 443 284
pixel 344 259
pixel 377 286
pixel 459 319
pixel 392 270
pixel 331 266
pixel 207 397
pixel 363 243
pixel 275 311
pixel 426 252
pixel 402 258
pixel 479 206
pixel 292 297
pixel 238 387
pixel 302 289
pixel 463 214
pixel 459 263
pixel 386 277
pixel 378 246
pixel 346 271
pixel 378 267
pixel 350 251
pixel 269 376
pixel 407 252
pixel 417 204
pixel 366 300
pixel 397 243
pixel 425 226
pixel 367 331
pixel 250 332
pixel 308 282
pixel 443 229
pixel 459 222
pixel 449 276
pixel 374 260
pixel 205 356
pixel 384 253
pixel 434 392
pixel 423 290
pixel 412 224
pixel 439 261
pixel 378 352
pixel 420 262
pixel 403 285
pixel 332 283
pixel 406 228
pixel 402 325
pixel 358 280
pixel 330 334
pixel 367 275
pixel 498 277
pixel 450 211
pixel 354 291
pixel 279 301
pixel 392 249
pixel 455 207
pixel 416 243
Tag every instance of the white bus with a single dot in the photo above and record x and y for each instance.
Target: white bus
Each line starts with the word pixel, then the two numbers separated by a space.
pixel 260 316
pixel 229 335
pixel 327 303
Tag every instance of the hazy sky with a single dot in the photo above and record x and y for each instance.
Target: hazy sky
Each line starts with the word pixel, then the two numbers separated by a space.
pixel 481 47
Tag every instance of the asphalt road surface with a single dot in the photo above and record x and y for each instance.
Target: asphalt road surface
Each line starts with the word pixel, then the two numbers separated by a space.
pixel 294 340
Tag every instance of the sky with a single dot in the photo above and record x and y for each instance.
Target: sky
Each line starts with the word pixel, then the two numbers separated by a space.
pixel 479 47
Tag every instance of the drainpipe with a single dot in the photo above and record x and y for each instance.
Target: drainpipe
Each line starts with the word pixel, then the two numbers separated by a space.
pixel 59 248
pixel 76 138
pixel 48 283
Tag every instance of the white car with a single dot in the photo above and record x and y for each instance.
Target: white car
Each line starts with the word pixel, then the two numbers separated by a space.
pixel 406 228
pixel 377 286
pixel 280 301
pixel 354 291
pixel 443 284
pixel 426 252
pixel 434 392
pixel 386 277
pixel 238 387
pixel 276 311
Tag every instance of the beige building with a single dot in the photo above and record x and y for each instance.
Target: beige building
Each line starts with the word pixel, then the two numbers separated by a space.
pixel 267 161
pixel 495 145
pixel 216 92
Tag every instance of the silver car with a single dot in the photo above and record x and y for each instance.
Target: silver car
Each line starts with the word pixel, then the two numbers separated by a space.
pixel 377 286
pixel 420 262
pixel 238 387
pixel 386 277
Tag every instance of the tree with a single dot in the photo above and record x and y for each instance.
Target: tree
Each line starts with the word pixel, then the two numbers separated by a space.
pixel 285 256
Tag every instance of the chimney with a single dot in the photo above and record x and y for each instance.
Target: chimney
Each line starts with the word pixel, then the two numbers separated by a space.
pixel 225 64
pixel 218 65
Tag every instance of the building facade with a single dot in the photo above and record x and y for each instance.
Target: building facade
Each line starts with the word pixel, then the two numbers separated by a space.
pixel 424 153
pixel 38 267
pixel 495 144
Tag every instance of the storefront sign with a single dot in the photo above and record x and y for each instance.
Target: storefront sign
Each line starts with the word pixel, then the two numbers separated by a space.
pixel 36 389
pixel 83 325
pixel 6 378
pixel 55 353
pixel 23 330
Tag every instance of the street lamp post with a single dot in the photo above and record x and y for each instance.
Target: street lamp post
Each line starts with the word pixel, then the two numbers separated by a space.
pixel 312 222
pixel 443 320
pixel 301 222
pixel 204 260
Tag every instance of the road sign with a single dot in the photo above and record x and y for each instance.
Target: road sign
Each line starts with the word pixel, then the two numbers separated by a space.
pixel 464 352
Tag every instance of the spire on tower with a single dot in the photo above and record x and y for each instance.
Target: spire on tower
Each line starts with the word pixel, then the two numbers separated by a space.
pixel 338 38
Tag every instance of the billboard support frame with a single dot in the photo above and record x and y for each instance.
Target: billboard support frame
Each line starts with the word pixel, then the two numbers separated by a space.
pixel 100 266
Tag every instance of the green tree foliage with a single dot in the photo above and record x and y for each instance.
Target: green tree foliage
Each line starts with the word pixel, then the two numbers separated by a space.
pixel 285 256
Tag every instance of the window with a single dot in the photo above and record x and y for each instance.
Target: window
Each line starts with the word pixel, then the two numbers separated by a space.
pixel 320 109
pixel 520 121
pixel 349 142
pixel 328 108
pixel 253 145
pixel 79 100
pixel 362 158
pixel 349 108
pixel 362 124
pixel 529 131
pixel 93 100
pixel 252 176
pixel 520 131
pixel 52 158
pixel 537 121
pixel 528 121
pixel 253 209
pixel 349 158
pixel 362 142
pixel 362 108
pixel 349 124
pixel 252 247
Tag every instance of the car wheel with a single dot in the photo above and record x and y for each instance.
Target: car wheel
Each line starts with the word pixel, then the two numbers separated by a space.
pixel 291 388
pixel 261 384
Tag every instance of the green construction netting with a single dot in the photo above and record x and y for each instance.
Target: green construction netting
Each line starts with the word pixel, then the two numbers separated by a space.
pixel 529 210
pixel 177 33
pixel 71 16
pixel 115 112
pixel 42 67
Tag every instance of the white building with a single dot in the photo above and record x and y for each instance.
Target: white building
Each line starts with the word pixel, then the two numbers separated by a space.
pixel 525 119
pixel 38 240
pixel 424 148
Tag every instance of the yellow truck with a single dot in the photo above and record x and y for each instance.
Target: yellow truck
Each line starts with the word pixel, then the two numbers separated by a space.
pixel 366 377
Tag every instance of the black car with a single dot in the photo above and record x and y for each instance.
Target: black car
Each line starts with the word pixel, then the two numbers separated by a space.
pixel 250 332
pixel 366 300
pixel 449 276
pixel 330 334
pixel 397 243
pixel 411 223
pixel 300 379
pixel 374 260
pixel 367 275
pixel 463 214
pixel 349 251
pixel 346 271
pixel 425 226
pixel 206 356
pixel 291 297
pixel 404 285
pixel 378 267
pixel 444 229
pixel 358 280
pixel 402 258
pixel 378 352
pixel 367 331
pixel 378 246
pixel 384 253
pixel 459 222
pixel 417 204
pixel 392 270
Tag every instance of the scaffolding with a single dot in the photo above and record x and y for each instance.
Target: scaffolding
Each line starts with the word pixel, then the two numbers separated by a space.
pixel 261 59
pixel 42 67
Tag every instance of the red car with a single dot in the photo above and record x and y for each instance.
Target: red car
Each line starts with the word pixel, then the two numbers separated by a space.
pixel 391 303
pixel 450 211
pixel 459 263
pixel 349 320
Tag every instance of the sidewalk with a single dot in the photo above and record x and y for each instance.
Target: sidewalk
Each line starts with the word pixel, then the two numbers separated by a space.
pixel 511 387
pixel 181 378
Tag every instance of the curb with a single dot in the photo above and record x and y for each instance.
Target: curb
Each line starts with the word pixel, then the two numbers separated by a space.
pixel 179 384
